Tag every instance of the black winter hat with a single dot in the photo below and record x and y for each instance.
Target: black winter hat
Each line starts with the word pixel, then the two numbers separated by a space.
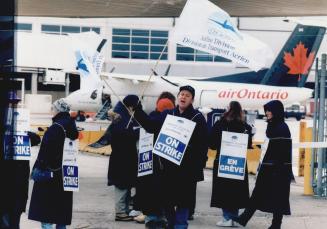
pixel 131 100
pixel 187 88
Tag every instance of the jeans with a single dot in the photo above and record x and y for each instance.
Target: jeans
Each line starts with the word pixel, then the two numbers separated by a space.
pixel 177 219
pixel 230 213
pixel 122 198
pixel 49 226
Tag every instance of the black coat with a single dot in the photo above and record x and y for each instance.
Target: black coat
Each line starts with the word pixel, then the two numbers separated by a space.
pixel 272 188
pixel 150 194
pixel 16 179
pixel 122 169
pixel 49 202
pixel 179 180
pixel 228 193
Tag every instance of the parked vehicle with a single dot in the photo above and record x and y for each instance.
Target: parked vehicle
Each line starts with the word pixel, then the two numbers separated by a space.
pixel 296 110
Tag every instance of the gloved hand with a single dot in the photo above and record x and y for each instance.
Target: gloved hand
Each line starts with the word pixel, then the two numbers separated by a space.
pixel 132 101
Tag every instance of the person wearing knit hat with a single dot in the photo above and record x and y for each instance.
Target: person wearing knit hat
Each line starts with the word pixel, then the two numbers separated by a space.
pixel 187 88
pixel 164 104
pixel 60 105
pixel 171 187
pixel 57 209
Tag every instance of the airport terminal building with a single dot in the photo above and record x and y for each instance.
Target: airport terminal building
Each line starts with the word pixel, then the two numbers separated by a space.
pixel 133 47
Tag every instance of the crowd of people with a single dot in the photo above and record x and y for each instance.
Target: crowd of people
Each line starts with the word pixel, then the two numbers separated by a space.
pixel 166 198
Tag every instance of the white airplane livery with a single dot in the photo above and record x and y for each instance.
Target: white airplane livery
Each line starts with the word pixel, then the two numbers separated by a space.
pixel 283 81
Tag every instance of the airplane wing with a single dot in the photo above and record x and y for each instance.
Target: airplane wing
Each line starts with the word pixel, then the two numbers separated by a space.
pixel 134 78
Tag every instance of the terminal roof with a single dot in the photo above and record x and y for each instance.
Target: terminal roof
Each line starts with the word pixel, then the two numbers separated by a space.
pixel 165 8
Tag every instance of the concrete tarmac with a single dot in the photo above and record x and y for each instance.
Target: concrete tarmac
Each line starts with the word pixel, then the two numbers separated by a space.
pixel 94 203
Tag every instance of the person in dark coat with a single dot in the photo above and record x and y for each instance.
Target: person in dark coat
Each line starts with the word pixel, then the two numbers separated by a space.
pixel 179 181
pixel 122 170
pixel 50 204
pixel 16 189
pixel 272 188
pixel 149 189
pixel 229 194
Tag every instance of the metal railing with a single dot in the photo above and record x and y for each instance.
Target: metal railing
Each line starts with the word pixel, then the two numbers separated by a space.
pixel 319 159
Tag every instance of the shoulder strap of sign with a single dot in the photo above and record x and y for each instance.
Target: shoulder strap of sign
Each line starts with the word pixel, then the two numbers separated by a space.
pixel 198 113
pixel 61 127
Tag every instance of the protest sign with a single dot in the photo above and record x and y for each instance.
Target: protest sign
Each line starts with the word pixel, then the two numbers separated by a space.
pixel 17 147
pixel 145 156
pixel 70 166
pixel 232 158
pixel 173 138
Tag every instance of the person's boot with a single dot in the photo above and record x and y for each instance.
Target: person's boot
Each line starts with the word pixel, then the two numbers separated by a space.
pixel 243 219
pixel 151 225
pixel 123 217
pixel 276 221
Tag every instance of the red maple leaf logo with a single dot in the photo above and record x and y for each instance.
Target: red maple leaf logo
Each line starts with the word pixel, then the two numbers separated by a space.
pixel 299 63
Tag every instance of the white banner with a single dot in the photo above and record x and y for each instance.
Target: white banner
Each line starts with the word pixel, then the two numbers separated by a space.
pixel 205 27
pixel 232 158
pixel 145 155
pixel 89 61
pixel 70 171
pixel 21 120
pixel 173 138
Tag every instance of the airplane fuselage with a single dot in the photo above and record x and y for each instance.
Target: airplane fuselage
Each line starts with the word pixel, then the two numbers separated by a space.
pixel 207 94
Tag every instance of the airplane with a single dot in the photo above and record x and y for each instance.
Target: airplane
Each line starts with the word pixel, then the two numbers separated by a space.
pixel 283 81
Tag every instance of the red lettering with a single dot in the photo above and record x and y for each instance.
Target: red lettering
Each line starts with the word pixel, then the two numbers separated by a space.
pixel 284 95
pixel 222 94
pixel 245 93
pixel 265 95
pixel 251 94
pixel 240 95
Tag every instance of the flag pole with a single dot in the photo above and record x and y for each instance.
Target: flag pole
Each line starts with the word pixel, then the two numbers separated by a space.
pixel 149 79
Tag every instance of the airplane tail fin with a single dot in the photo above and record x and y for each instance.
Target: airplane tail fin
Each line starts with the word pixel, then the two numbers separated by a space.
pixel 293 63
